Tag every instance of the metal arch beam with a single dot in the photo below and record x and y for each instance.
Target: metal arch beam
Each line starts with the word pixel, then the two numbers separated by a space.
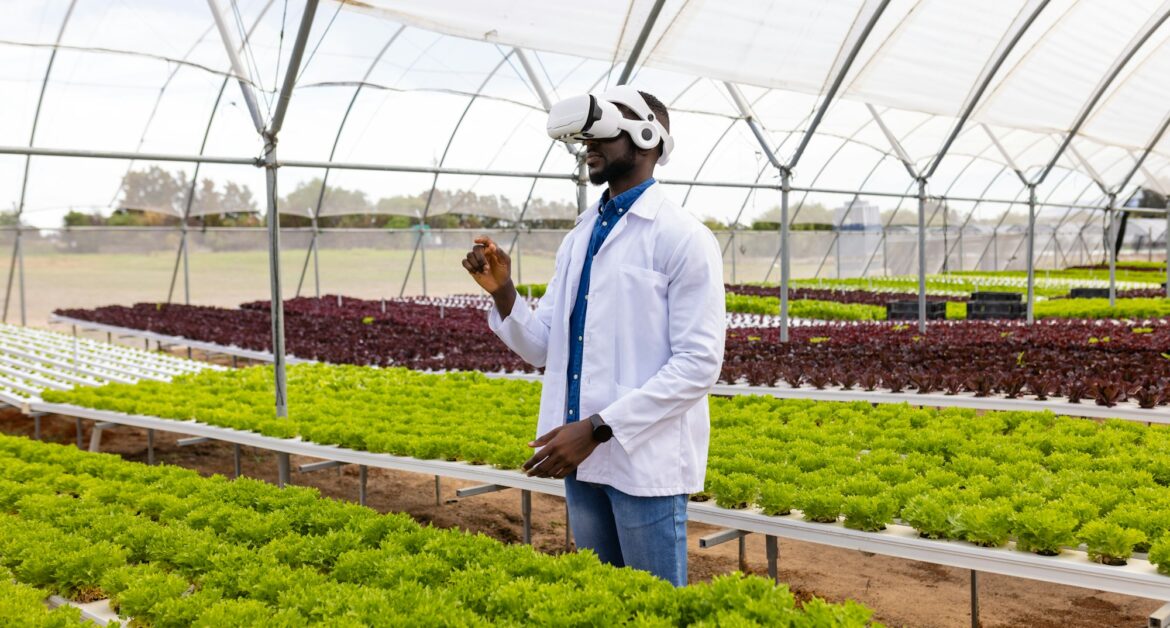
pixel 1088 187
pixel 975 206
pixel 1068 173
pixel 1089 169
pixel 1077 199
pixel 158 99
pixel 17 248
pixel 1131 49
pixel 838 80
pixel 974 159
pixel 533 79
pixel 528 199
pixel 270 166
pixel 435 181
pixel 294 63
pixel 1145 153
pixel 824 167
pixel 1003 217
pixel 316 214
pixel 1007 157
pixel 786 169
pixel 183 250
pixel 703 164
pixel 837 230
pixel 238 68
pixel 651 18
pixel 896 145
pixel 986 76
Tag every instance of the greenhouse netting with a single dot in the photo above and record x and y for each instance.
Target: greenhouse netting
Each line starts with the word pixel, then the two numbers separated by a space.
pixel 848 138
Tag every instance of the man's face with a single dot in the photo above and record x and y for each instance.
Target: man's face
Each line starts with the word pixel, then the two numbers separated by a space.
pixel 609 159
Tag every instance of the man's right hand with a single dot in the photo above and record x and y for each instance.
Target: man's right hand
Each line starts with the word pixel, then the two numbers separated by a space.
pixel 491 268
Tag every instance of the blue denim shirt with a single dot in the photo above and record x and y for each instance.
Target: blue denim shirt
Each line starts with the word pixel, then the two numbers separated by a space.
pixel 611 211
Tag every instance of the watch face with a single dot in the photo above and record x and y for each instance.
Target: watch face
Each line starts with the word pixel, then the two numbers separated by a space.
pixel 602 433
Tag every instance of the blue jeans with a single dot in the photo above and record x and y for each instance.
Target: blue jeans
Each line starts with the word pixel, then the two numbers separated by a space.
pixel 647 533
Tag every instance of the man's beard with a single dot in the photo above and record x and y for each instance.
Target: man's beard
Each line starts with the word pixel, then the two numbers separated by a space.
pixel 614 169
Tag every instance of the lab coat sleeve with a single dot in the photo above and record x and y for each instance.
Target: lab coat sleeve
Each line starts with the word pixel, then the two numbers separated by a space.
pixel 697 327
pixel 525 330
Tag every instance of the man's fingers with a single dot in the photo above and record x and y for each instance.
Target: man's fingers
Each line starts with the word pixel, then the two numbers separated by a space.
pixel 472 265
pixel 544 439
pixel 535 460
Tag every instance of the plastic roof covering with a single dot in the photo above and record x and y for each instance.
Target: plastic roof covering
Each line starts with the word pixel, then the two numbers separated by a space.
pixel 414 83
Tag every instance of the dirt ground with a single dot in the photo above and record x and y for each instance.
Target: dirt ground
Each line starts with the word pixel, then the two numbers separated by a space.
pixel 901 592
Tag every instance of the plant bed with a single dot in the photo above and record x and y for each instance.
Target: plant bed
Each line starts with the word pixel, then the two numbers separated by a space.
pixel 993 475
pixel 170 547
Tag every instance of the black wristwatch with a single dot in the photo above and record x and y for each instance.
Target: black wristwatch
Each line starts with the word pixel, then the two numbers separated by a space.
pixel 601 431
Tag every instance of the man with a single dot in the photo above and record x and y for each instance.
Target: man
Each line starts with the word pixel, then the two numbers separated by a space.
pixel 630 332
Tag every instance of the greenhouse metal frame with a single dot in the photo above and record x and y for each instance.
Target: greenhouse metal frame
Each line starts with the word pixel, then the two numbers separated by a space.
pixel 865 36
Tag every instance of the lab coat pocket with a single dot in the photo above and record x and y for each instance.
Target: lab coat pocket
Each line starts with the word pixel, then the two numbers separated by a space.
pixel 644 336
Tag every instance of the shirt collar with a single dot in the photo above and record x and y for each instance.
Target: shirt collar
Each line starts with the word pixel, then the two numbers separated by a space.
pixel 629 200
pixel 626 199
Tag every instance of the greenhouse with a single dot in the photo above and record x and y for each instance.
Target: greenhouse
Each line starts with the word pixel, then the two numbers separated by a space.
pixel 237 237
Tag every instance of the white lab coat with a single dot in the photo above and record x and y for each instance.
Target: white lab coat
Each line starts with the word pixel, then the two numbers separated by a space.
pixel 654 335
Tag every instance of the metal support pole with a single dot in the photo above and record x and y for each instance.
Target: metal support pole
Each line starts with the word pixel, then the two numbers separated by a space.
pixel 974 599
pixel 568 529
pixel 1031 253
pixel 363 476
pixel 438 490
pixel 422 245
pixel 772 548
pixel 20 276
pixel 921 255
pixel 733 256
pixel 277 305
pixel 526 515
pixel 743 566
pixel 282 469
pixel 237 460
pixel 79 430
pixel 37 426
pixel 582 183
pixel 1166 237
pixel 640 42
pixel 785 254
pixel 17 262
pixel 150 447
pixel 1111 213
pixel 186 266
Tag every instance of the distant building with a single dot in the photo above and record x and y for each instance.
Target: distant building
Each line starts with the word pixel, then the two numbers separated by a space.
pixel 858 215
pixel 859 237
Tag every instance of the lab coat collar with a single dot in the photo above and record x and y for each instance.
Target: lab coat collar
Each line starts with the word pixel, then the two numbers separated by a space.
pixel 646 206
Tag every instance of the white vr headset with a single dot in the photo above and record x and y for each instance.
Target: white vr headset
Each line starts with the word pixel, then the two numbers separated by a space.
pixel 588 117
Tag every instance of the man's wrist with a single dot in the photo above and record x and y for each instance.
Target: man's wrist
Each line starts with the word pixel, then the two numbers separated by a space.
pixel 506 289
pixel 601 431
pixel 505 298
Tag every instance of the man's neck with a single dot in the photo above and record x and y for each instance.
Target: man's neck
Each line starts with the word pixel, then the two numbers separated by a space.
pixel 627 183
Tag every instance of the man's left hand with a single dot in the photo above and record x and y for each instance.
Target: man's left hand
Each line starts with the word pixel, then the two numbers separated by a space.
pixel 564 449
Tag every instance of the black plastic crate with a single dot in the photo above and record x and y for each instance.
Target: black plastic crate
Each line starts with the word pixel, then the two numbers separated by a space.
pixel 991 310
pixel 908 310
pixel 1088 293
pixel 998 297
